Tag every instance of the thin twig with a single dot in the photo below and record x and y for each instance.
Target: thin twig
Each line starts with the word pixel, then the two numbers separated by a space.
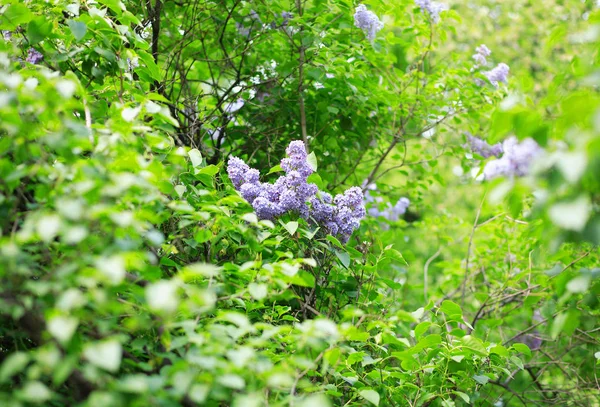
pixel 464 283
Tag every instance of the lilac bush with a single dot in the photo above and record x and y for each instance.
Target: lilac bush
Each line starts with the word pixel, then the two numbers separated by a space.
pixel 367 21
pixel 516 160
pixel 292 193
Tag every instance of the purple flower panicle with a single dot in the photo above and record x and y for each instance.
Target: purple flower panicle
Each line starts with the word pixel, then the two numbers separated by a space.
pixel 367 21
pixel 338 216
pixel 433 8
pixel 482 52
pixel 480 147
pixel 34 56
pixel 390 212
pixel 516 160
pixel 498 74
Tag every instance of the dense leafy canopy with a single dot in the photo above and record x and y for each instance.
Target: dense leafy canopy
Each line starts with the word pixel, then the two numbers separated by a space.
pixel 134 273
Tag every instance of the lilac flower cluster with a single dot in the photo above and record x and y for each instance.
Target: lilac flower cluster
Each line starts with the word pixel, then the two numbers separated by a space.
pixel 367 21
pixel 480 147
pixel 287 16
pixel 516 160
pixel 390 212
pixel 34 56
pixel 482 52
pixel 498 74
pixel 433 8
pixel 338 216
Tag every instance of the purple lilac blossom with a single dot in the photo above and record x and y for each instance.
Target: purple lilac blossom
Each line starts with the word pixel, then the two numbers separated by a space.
pixel 498 74
pixel 338 216
pixel 367 21
pixel 482 52
pixel 34 56
pixel 350 209
pixel 480 147
pixel 242 29
pixel 236 169
pixel 391 212
pixel 433 8
pixel 254 16
pixel 516 160
pixel 7 35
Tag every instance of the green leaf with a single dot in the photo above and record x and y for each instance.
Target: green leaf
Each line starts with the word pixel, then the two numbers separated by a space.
pixel 106 53
pixel 448 403
pixel 38 30
pixel 35 392
pixel 463 396
pixel 474 344
pixel 62 328
pixel 481 379
pixel 354 358
pixel 196 157
pixel 315 400
pixel 565 322
pixel 457 358
pixel 421 328
pixel 558 324
pixel 334 241
pixel 275 169
pixel 291 227
pixel 63 370
pixel 518 362
pixel 521 347
pixel 105 354
pixel 13 364
pixel 257 291
pixel 78 29
pixel 210 170
pixel 151 66
pixel 429 341
pixel 571 215
pixel 312 161
pixel 16 14
pixel 232 381
pixel 371 396
pixel 451 308
pixel 343 257
pixel 304 279
pixel 196 270
pixel 579 284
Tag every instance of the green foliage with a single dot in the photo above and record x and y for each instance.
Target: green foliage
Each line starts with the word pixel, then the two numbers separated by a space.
pixel 133 274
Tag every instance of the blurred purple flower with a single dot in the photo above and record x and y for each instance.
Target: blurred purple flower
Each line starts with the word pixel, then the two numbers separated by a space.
pixel 516 160
pixel 34 56
pixel 498 74
pixel 433 8
pixel 367 21
pixel 480 147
